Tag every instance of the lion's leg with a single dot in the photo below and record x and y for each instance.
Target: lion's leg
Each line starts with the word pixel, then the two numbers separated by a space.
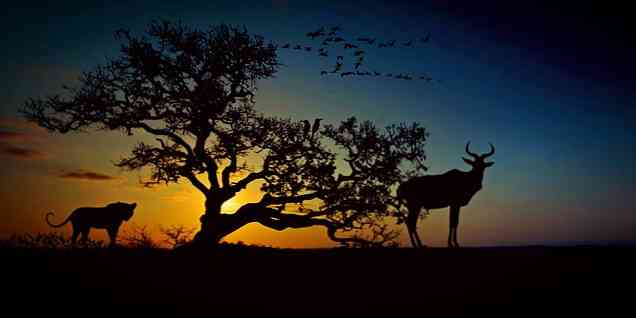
pixel 85 233
pixel 74 236
pixel 112 234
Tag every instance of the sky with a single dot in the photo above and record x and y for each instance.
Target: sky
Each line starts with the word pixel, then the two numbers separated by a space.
pixel 553 92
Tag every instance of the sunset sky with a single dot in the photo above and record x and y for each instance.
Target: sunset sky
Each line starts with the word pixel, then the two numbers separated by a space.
pixel 555 95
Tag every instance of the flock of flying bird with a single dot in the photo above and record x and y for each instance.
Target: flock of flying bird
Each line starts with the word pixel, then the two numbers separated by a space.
pixel 330 38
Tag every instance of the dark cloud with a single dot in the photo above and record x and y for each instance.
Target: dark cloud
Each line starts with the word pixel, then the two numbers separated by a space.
pixel 21 152
pixel 86 175
pixel 12 135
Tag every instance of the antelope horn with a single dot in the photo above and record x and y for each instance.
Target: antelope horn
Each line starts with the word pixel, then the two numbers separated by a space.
pixel 470 153
pixel 492 151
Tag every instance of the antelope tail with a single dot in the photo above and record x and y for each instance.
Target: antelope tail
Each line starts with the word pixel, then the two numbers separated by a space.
pixel 56 225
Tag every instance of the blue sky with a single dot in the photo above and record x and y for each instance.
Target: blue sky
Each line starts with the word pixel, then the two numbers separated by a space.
pixel 554 94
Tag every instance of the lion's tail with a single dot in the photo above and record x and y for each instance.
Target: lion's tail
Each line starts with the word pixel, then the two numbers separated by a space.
pixel 54 225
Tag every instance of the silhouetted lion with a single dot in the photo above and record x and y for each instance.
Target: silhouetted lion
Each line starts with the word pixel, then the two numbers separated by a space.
pixel 109 217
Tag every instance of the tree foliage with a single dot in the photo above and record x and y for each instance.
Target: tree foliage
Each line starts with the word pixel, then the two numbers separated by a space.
pixel 193 90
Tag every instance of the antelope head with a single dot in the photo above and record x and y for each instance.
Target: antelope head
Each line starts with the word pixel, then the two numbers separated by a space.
pixel 478 162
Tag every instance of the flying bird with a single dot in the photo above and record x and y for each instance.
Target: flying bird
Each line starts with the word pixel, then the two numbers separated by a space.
pixel 338 67
pixel 315 127
pixel 306 127
pixel 314 35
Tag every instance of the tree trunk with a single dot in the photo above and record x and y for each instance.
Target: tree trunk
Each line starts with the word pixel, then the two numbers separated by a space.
pixel 208 234
pixel 215 226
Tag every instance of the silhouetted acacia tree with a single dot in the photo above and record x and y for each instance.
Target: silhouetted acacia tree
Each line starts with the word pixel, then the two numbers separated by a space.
pixel 194 91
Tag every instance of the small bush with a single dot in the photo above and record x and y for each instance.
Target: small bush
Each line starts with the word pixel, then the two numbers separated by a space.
pixel 177 235
pixel 139 237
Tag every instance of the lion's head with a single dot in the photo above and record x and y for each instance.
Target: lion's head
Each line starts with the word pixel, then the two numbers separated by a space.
pixel 124 210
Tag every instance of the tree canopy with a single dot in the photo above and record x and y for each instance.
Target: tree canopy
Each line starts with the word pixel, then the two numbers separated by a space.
pixel 194 91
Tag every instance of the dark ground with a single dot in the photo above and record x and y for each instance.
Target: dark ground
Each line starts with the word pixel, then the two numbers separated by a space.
pixel 519 281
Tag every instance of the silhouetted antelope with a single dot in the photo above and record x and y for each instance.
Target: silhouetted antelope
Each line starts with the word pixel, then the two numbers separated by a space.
pixel 452 189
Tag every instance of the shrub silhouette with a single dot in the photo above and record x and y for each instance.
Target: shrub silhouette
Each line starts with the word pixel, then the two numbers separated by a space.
pixel 46 241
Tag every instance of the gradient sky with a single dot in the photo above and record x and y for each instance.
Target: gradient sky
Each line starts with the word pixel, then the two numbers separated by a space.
pixel 554 93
